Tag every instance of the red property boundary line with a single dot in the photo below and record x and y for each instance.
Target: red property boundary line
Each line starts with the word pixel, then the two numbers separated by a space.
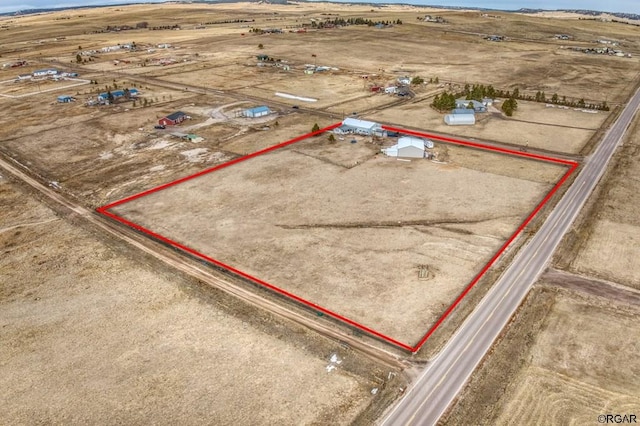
pixel 104 210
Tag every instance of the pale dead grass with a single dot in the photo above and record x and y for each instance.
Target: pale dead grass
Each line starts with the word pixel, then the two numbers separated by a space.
pixel 106 339
pixel 334 235
pixel 575 370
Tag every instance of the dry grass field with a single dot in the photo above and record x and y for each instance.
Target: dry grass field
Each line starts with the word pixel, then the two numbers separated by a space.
pixel 607 242
pixel 31 88
pixel 89 319
pixel 534 125
pixel 349 237
pixel 97 154
pixel 134 342
pixel 555 365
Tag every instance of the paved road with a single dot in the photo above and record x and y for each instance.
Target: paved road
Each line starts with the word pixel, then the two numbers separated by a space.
pixel 440 382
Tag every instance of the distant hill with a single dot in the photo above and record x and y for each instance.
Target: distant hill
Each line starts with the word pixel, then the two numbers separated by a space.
pixel 586 12
pixel 591 13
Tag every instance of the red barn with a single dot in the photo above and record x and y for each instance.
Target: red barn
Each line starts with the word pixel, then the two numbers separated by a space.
pixel 173 119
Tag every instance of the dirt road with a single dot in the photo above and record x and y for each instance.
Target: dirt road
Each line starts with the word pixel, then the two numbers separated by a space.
pixel 201 273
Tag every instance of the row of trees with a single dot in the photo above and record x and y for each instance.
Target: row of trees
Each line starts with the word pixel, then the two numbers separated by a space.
pixel 479 91
pixel 165 27
pixel 447 101
pixel 352 21
pixel 228 21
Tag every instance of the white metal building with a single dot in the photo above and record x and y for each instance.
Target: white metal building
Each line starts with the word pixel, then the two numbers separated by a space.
pixel 460 119
pixel 45 72
pixel 359 127
pixel 407 147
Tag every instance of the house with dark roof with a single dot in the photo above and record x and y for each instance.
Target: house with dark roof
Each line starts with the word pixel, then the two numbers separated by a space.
pixel 173 119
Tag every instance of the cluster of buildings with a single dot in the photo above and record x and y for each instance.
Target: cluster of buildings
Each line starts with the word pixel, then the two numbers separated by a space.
pixel 108 49
pixel 117 94
pixel 311 68
pixel 602 51
pixel 46 73
pixel 401 88
pixel 495 37
pixel 465 111
pixel 16 64
pixel 436 19
pixel 406 146
pixel 105 98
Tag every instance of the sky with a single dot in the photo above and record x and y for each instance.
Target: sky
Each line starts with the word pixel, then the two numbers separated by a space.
pixel 629 6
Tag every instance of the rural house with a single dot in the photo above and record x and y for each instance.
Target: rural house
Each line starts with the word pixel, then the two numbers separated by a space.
pixel 173 119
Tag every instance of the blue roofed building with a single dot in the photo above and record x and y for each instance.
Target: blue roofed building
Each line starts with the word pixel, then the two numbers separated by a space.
pixel 259 111
pixel 102 97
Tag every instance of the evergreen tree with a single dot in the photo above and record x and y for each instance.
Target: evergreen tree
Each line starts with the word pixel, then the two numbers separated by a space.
pixel 509 106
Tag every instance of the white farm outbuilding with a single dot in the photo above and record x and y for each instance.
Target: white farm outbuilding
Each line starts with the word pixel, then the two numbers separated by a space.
pixel 407 147
pixel 460 119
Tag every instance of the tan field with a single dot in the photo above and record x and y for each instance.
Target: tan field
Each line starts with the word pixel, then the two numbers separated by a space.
pixel 90 318
pixel 556 365
pixel 353 237
pixel 535 127
pixel 136 343
pixel 609 242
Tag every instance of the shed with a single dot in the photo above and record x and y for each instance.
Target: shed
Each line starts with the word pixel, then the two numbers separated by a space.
pixel 407 147
pixel 65 99
pixel 460 119
pixel 259 111
pixel 194 138
pixel 173 119
pixel 462 111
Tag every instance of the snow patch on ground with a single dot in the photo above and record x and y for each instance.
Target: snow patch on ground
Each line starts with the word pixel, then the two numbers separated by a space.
pixel 195 155
pixel 299 98
pixel 161 144
pixel 106 155
pixel 157 168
